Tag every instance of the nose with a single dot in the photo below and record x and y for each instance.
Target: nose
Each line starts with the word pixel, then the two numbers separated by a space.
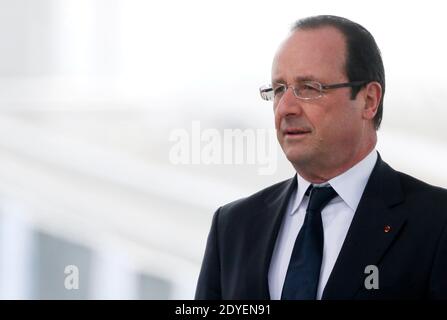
pixel 288 104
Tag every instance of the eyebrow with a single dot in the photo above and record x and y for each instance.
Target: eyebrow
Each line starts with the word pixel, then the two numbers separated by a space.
pixel 296 79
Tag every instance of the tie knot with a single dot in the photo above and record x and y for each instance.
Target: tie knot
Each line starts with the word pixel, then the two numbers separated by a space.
pixel 319 197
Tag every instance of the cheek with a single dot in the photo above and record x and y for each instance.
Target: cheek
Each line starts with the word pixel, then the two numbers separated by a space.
pixel 277 118
pixel 340 128
pixel 329 124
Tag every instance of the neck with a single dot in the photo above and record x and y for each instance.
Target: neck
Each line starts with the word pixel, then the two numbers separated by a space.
pixel 323 172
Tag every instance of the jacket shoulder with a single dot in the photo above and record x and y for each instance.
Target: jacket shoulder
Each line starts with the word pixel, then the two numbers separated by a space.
pixel 423 200
pixel 255 201
pixel 421 189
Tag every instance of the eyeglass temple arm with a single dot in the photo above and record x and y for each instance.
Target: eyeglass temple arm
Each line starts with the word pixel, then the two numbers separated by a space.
pixel 342 85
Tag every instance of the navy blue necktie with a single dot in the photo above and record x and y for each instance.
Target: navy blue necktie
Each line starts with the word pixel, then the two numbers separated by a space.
pixel 303 273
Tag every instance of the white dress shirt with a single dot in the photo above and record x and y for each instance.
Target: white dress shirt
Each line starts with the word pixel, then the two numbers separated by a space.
pixel 336 216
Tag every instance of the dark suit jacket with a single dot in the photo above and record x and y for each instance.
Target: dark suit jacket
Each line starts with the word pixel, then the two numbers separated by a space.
pixel 411 257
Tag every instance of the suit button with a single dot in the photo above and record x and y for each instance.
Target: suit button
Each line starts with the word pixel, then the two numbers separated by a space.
pixel 387 229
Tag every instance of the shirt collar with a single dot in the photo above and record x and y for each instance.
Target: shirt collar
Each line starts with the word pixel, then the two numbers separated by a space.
pixel 302 186
pixel 349 185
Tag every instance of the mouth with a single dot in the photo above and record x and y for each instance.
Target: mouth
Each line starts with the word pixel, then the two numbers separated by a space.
pixel 296 132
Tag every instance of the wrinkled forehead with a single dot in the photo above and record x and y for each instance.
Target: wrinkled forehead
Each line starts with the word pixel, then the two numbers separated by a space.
pixel 315 53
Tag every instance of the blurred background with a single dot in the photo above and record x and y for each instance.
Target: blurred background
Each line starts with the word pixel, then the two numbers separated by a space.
pixel 99 97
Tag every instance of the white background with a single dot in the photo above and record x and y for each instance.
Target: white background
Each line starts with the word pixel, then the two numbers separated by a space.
pixel 90 91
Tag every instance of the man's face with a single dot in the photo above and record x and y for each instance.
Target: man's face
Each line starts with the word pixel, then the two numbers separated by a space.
pixel 333 123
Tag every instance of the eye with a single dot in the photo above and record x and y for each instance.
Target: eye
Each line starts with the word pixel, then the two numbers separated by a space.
pixel 309 90
pixel 279 90
pixel 309 86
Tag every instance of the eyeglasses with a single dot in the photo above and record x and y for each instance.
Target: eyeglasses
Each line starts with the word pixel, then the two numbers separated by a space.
pixel 305 90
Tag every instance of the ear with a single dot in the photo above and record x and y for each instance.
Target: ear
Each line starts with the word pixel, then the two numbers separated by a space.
pixel 373 96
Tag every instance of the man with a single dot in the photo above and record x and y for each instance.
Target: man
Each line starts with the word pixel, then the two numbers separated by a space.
pixel 347 226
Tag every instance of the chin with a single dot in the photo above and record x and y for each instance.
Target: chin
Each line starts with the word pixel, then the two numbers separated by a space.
pixel 297 156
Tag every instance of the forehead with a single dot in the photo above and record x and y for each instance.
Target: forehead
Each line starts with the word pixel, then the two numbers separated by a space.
pixel 315 53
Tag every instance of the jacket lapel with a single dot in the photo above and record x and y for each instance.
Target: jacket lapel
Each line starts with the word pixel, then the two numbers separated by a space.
pixel 266 226
pixel 367 239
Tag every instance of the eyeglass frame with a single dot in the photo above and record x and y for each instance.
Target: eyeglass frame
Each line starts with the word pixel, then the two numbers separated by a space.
pixel 265 89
